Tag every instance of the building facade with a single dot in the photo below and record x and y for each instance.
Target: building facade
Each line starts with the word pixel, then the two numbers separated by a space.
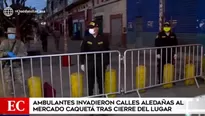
pixel 77 13
pixel 111 15
pixel 186 16
pixel 143 23
pixel 1 4
pixel 80 16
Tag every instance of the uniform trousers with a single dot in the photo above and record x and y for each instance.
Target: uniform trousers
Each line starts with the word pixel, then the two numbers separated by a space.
pixel 96 72
pixel 17 76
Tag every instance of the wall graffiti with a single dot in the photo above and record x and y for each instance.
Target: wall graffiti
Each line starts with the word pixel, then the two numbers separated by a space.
pixel 150 24
pixel 202 24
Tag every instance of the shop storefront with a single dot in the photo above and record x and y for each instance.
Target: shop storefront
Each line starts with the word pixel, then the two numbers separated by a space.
pixel 81 16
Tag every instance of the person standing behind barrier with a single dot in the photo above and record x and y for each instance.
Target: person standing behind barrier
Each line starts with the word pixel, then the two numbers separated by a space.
pixel 164 56
pixel 95 42
pixel 56 35
pixel 2 35
pixel 44 39
pixel 11 48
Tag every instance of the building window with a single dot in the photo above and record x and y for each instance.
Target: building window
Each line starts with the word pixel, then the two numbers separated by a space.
pixel 102 0
pixel 98 1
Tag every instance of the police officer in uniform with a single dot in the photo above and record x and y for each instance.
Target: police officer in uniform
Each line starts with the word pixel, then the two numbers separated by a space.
pixel 11 48
pixel 164 56
pixel 96 64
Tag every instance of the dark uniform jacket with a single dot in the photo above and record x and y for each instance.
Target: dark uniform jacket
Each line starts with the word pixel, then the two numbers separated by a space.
pixel 91 44
pixel 163 40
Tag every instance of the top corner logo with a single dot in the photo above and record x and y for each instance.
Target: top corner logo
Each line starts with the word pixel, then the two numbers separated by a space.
pixel 8 11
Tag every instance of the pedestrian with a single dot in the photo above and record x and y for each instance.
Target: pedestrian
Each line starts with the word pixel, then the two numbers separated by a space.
pixel 2 35
pixel 56 35
pixel 11 48
pixel 44 39
pixel 96 64
pixel 165 56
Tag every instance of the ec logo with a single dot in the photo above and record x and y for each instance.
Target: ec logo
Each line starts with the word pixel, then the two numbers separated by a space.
pixel 15 106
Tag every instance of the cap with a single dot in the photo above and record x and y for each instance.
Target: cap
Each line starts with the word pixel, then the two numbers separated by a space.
pixel 11 30
pixel 92 24
pixel 166 24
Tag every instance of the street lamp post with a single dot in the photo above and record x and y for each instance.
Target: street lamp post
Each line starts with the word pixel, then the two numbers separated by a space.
pixel 92 8
pixel 161 13
pixel 65 30
pixel 65 59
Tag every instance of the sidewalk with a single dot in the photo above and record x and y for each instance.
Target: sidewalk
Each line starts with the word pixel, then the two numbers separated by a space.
pixel 73 46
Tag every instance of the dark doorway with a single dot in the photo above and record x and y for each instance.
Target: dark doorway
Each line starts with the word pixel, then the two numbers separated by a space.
pixel 61 28
pixel 116 30
pixel 99 20
pixel 139 30
pixel 70 26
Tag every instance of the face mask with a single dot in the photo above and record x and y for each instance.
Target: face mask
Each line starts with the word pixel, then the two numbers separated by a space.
pixel 91 31
pixel 11 36
pixel 166 29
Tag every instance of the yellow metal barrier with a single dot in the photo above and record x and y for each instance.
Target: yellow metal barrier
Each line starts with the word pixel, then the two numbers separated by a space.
pixel 189 74
pixel 111 82
pixel 76 84
pixel 168 75
pixel 203 65
pixel 3 89
pixel 140 77
pixel 35 87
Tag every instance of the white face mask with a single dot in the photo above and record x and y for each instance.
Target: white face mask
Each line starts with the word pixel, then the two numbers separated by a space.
pixel 167 33
pixel 91 31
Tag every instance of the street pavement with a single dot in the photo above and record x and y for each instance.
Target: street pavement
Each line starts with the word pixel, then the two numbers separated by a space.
pixel 50 70
pixel 131 63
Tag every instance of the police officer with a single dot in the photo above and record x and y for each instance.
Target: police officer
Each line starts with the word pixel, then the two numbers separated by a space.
pixel 11 48
pixel 96 64
pixel 165 38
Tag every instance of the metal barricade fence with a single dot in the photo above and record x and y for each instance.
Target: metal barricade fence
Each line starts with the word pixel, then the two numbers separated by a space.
pixel 146 67
pixel 35 76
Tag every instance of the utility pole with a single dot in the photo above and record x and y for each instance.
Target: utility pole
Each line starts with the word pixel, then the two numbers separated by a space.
pixel 93 10
pixel 161 13
pixel 65 29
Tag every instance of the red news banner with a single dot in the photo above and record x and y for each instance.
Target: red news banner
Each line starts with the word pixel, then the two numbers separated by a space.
pixel 14 106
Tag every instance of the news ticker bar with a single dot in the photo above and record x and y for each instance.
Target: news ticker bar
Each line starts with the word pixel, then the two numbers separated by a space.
pixel 103 106
pixel 118 106
pixel 12 115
